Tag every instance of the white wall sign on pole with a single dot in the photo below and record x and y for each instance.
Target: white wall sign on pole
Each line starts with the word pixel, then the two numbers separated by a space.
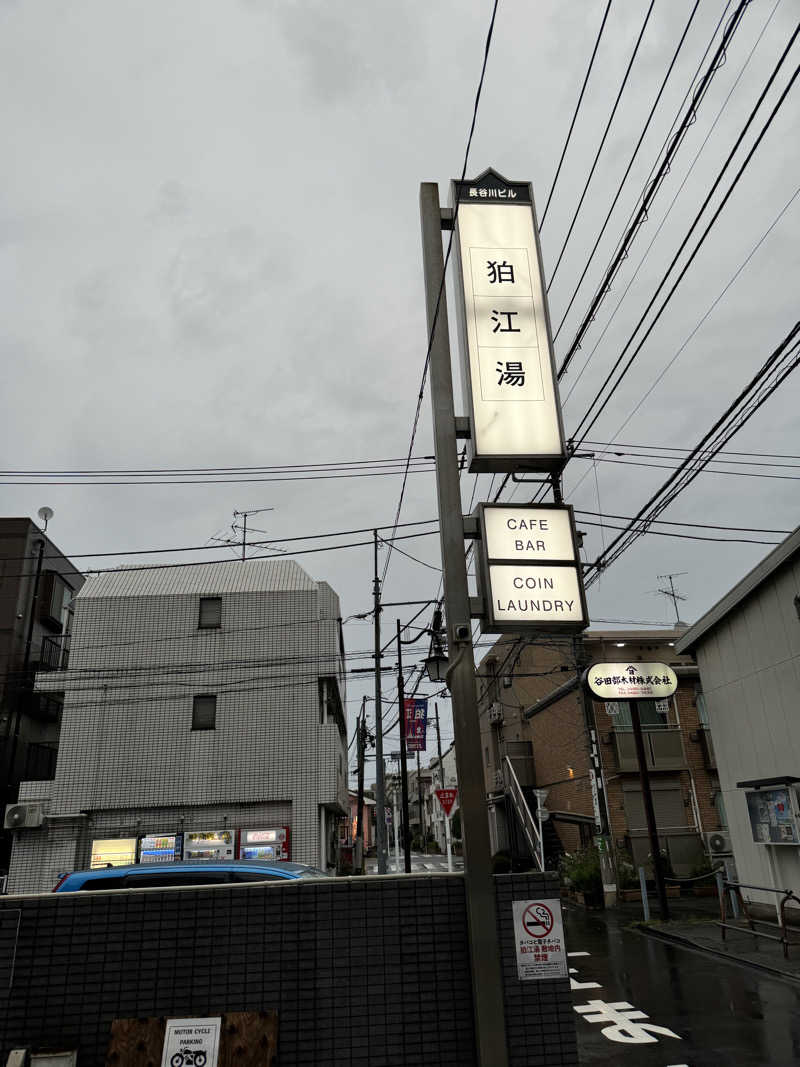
pixel 508 365
pixel 539 938
pixel 631 681
pixel 530 573
pixel 191 1042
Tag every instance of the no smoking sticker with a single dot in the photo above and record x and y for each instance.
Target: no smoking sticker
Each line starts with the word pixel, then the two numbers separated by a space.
pixel 537 919
pixel 539 939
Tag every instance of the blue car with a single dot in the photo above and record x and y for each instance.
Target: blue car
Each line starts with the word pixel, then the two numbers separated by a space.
pixel 186 873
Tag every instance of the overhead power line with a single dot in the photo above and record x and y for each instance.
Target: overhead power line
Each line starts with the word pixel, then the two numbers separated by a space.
pixel 645 255
pixel 766 381
pixel 575 113
pixel 607 446
pixel 734 182
pixel 631 161
pixel 601 145
pixel 651 189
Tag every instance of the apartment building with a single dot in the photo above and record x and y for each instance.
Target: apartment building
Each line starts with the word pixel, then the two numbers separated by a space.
pixel 203 716
pixel 37 587
pixel 537 726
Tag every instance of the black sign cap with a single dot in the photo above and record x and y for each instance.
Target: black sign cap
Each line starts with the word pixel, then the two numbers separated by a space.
pixel 491 187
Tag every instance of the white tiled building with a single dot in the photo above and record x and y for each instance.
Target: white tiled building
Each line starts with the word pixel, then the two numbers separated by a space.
pixel 201 698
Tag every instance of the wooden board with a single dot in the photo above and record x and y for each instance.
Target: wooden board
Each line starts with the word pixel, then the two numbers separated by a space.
pixel 248 1039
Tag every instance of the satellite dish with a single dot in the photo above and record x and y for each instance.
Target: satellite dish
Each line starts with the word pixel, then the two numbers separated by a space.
pixel 45 515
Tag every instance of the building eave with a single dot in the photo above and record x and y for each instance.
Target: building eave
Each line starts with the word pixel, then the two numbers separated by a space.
pixel 783 553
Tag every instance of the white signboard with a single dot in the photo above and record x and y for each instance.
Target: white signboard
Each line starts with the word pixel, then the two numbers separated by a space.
pixel 529 534
pixel 509 371
pixel 539 938
pixel 541 595
pixel 631 681
pixel 191 1042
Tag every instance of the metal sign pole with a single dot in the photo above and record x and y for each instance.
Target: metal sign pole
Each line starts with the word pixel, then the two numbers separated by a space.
pixel 487 979
pixel 401 703
pixel 649 812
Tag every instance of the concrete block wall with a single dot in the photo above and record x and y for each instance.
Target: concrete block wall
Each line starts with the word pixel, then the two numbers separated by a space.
pixel 366 972
pixel 540 1019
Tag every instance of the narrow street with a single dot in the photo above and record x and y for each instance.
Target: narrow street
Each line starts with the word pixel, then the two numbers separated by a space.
pixel 420 863
pixel 721 1013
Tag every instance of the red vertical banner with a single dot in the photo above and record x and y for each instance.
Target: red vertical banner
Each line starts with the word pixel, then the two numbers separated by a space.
pixel 416 718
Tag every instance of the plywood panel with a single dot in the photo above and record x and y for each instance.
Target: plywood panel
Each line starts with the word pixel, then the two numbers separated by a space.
pixel 248 1039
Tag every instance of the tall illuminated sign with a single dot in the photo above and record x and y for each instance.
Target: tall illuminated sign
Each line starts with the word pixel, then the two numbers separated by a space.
pixel 508 367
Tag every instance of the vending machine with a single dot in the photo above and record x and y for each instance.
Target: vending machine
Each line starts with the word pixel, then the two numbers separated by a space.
pixel 208 845
pixel 160 848
pixel 269 844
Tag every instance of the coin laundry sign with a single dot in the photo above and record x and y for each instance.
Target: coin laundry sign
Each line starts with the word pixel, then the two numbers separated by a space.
pixel 531 572
pixel 509 370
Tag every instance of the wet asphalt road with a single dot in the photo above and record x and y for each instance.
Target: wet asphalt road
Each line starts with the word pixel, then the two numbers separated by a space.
pixel 722 1014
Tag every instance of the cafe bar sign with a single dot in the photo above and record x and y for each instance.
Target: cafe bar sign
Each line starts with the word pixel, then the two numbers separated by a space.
pixel 507 352
pixel 530 569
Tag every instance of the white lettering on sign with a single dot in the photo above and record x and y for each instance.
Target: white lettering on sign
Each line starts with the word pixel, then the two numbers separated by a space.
pixel 524 533
pixel 534 594
pixel 513 392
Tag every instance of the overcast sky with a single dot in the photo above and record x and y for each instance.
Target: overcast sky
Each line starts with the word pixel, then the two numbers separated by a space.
pixel 210 256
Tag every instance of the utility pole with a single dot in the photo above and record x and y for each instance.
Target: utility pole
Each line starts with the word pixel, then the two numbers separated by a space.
pixel 487 981
pixel 422 828
pixel 361 737
pixel 380 787
pixel 649 812
pixel 401 703
pixel 442 785
pixel 599 795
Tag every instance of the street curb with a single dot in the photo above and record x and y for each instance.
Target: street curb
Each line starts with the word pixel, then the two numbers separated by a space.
pixel 686 942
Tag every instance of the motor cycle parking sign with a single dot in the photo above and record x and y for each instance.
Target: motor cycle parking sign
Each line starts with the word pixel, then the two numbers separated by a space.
pixel 539 938
pixel 191 1042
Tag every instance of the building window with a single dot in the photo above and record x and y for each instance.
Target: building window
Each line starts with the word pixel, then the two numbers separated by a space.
pixel 204 712
pixel 210 613
pixel 653 714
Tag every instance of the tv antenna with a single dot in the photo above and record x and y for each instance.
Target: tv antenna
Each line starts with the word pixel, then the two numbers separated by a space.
pixel 671 594
pixel 242 528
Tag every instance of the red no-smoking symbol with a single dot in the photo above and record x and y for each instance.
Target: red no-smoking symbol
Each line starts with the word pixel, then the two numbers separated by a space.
pixel 537 920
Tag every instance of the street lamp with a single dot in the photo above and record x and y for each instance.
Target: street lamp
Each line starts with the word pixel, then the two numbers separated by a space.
pixel 437 665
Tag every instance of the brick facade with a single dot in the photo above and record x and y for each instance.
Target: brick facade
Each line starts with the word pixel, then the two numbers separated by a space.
pixel 559 744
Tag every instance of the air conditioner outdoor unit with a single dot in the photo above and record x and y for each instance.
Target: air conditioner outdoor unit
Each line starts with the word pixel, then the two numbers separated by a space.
pixel 718 843
pixel 23 816
pixel 496 713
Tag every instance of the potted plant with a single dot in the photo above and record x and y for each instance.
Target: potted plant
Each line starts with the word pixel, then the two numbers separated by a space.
pixel 581 873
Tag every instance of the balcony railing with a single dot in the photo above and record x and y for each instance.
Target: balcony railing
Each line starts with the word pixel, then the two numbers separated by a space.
pixel 54 655
pixel 663 749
